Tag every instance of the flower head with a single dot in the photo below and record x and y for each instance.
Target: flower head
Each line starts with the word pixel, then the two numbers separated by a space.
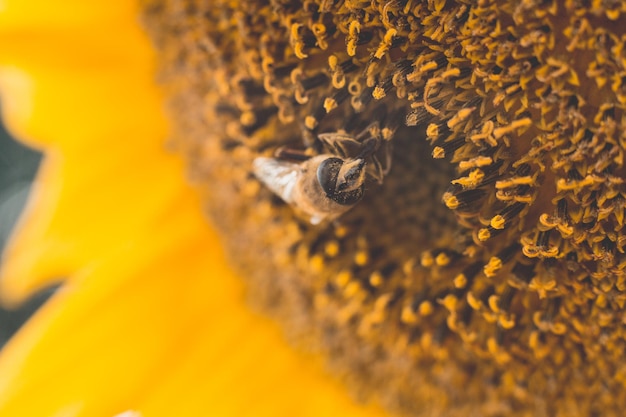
pixel 485 274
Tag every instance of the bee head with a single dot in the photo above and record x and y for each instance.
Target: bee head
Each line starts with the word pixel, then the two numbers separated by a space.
pixel 342 181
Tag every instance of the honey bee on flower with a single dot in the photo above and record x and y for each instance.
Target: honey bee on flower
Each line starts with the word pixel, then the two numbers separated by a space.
pixel 325 186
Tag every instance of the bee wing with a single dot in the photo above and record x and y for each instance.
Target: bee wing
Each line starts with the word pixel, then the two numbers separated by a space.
pixel 279 176
pixel 340 144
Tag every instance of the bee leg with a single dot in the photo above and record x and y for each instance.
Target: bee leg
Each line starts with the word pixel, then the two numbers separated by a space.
pixel 386 164
pixel 371 131
pixel 291 154
pixel 340 144
pixel 369 148
pixel 380 162
pixel 375 170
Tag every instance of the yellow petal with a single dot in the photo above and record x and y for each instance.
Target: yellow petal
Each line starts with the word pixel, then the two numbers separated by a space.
pixel 85 209
pixel 44 15
pixel 88 96
pixel 165 334
pixel 92 74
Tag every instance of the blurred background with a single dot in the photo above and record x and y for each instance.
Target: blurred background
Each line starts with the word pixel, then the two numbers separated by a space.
pixel 18 165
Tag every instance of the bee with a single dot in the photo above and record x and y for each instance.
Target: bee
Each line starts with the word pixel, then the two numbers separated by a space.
pixel 325 186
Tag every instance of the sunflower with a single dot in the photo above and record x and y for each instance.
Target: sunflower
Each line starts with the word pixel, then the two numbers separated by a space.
pixel 430 193
pixel 149 320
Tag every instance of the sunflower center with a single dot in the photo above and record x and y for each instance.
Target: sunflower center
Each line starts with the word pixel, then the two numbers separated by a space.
pixel 478 264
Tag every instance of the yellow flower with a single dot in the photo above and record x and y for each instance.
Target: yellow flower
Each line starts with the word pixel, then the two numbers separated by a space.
pixel 511 301
pixel 148 318
pixel 429 192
